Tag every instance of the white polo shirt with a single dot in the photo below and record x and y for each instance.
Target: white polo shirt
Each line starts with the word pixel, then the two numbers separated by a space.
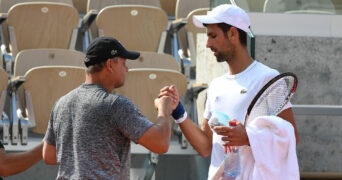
pixel 231 94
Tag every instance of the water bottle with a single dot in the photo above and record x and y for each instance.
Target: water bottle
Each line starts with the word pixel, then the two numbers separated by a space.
pixel 232 166
pixel 218 119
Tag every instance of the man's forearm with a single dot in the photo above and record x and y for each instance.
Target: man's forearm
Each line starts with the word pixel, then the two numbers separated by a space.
pixel 13 163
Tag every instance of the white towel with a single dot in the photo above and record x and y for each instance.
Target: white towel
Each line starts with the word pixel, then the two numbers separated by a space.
pixel 273 146
pixel 272 152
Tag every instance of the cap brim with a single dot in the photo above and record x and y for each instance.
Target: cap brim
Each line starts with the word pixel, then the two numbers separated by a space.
pixel 132 55
pixel 204 19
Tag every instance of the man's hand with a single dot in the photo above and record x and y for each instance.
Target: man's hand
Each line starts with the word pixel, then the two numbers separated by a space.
pixel 234 135
pixel 172 92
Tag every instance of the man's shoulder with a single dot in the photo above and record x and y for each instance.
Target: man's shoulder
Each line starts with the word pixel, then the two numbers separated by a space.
pixel 265 70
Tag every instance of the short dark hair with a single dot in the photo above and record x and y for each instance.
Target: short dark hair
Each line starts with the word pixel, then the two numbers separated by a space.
pixel 95 68
pixel 98 67
pixel 242 34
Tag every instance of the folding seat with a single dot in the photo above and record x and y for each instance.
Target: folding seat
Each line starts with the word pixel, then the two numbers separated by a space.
pixel 256 5
pixel 31 58
pixel 5 5
pixel 3 88
pixel 42 25
pixel 169 7
pixel 184 7
pixel 80 5
pixel 244 4
pixel 154 60
pixel 299 6
pixel 179 40
pixel 4 120
pixel 100 4
pixel 43 85
pixel 191 40
pixel 138 27
pixel 95 6
pixel 142 85
pixel 338 6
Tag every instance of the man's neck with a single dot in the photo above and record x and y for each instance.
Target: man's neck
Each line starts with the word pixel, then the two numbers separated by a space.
pixel 238 65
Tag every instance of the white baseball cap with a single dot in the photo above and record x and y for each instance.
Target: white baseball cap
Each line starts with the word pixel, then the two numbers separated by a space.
pixel 225 13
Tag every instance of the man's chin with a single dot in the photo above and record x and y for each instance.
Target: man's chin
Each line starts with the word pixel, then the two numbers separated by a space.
pixel 220 60
pixel 119 85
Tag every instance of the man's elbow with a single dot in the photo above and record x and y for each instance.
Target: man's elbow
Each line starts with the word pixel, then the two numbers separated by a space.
pixel 49 158
pixel 162 148
pixel 4 172
pixel 49 161
pixel 204 153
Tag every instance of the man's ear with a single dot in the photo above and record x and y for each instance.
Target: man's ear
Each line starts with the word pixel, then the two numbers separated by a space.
pixel 233 33
pixel 110 65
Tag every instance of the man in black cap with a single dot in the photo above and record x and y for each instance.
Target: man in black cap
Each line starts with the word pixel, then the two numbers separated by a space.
pixel 90 128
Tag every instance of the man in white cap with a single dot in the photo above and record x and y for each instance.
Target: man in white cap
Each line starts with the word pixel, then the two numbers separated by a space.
pixel 227 28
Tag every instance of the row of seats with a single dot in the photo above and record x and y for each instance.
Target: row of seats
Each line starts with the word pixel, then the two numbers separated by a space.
pixel 51 32
pixel 302 6
pixel 41 61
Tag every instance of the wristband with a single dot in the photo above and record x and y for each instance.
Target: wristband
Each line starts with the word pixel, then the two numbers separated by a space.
pixel 181 119
pixel 179 114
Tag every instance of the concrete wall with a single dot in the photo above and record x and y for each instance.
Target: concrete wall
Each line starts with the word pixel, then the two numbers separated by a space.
pixel 311 47
pixel 317 63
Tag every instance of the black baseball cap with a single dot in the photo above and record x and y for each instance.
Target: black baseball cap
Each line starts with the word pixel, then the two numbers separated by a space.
pixel 103 48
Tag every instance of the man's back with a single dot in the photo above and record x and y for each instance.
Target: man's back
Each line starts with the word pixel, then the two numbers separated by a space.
pixel 91 139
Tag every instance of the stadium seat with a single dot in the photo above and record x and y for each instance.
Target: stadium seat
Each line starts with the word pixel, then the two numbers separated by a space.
pixel 43 85
pixel 255 5
pixel 100 4
pixel 184 7
pixel 180 45
pixel 169 7
pixel 244 4
pixel 5 5
pixel 191 39
pixel 42 25
pixel 338 6
pixel 27 60
pixel 3 88
pixel 4 120
pixel 299 6
pixel 154 60
pixel 138 27
pixel 143 85
pixel 30 58
pixel 95 6
pixel 80 5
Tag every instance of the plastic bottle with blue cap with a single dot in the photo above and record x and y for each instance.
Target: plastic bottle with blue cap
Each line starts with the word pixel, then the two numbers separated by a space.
pixel 232 166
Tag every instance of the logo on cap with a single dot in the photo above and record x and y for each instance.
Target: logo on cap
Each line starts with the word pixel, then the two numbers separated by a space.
pixel 113 52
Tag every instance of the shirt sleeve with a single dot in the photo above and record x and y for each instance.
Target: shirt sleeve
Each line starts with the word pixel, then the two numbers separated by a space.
pixel 131 122
pixel 50 135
